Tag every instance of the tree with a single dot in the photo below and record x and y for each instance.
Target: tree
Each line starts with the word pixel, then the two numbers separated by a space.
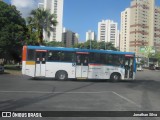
pixel 79 45
pixel 40 20
pixel 12 32
pixel 93 44
pixel 55 44
pixel 31 36
pixel 110 46
pixel 156 55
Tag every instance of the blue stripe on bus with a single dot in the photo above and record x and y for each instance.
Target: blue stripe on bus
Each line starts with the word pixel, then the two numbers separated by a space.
pixel 50 48
pixel 79 50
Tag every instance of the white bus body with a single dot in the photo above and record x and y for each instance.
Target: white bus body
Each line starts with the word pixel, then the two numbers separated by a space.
pixel 36 63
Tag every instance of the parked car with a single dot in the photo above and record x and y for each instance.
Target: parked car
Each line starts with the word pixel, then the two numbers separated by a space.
pixel 1 69
pixel 152 67
pixel 157 68
pixel 139 67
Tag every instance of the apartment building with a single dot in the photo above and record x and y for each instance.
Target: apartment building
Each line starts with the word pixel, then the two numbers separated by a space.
pixel 90 35
pixel 157 29
pixel 56 7
pixel 125 30
pixel 108 32
pixel 69 38
pixel 140 27
pixel 41 5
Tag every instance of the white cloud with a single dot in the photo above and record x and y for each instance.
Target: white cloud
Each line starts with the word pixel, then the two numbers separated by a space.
pixel 25 6
pixel 22 3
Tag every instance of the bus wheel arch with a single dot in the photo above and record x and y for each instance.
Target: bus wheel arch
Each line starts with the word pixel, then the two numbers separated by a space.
pixel 61 75
pixel 115 77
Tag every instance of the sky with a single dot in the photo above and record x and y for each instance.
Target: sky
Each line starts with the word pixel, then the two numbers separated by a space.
pixel 82 15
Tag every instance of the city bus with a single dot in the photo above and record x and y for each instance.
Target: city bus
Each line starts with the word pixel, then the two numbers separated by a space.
pixel 67 63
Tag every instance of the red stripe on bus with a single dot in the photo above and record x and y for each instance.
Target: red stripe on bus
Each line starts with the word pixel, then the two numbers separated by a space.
pixel 24 53
pixel 41 50
pixel 85 53
pixel 95 64
pixel 128 55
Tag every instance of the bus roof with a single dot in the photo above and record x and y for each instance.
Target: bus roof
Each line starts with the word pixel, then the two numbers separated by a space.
pixel 78 50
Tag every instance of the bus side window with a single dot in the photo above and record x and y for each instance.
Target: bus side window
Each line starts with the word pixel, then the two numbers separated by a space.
pixel 85 61
pixel 118 61
pixel 31 55
pixel 50 55
pixel 78 59
pixel 67 57
pixel 109 59
pixel 121 63
pixel 91 57
pixel 103 58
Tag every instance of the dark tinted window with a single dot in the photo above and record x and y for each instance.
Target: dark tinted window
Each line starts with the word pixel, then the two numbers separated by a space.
pixel 115 59
pixel 30 54
pixel 94 58
pixel 98 58
pixel 61 56
pixel 102 58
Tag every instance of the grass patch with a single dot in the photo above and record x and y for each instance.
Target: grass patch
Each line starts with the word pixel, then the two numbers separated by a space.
pixel 13 72
pixel 13 67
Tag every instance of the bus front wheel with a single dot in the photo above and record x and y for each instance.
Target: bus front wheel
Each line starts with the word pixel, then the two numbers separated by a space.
pixel 61 75
pixel 115 77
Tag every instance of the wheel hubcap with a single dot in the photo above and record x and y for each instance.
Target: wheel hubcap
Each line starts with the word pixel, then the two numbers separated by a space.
pixel 62 76
pixel 115 77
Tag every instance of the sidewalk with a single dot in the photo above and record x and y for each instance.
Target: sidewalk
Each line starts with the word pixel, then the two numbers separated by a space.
pixel 13 72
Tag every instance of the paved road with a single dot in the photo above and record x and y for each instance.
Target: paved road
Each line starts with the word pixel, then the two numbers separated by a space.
pixel 21 93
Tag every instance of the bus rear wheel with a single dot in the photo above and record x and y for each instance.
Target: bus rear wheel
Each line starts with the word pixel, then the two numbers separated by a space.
pixel 115 77
pixel 61 75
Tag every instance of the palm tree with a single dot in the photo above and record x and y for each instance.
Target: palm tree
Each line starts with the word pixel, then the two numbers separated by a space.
pixel 40 20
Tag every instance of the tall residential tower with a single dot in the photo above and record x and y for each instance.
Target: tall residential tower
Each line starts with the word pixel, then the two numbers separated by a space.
pixel 90 35
pixel 140 27
pixel 108 32
pixel 69 38
pixel 56 7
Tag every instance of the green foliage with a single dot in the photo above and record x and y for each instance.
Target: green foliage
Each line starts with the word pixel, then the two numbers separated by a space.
pixel 12 32
pixel 55 44
pixel 93 44
pixel 79 45
pixel 157 55
pixel 142 62
pixel 40 20
pixel 90 44
pixel 31 36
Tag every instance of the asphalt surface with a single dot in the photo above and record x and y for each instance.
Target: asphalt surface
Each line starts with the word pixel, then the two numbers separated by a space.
pixel 21 93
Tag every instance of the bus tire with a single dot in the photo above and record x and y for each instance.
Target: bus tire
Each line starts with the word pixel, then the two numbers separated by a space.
pixel 61 75
pixel 115 77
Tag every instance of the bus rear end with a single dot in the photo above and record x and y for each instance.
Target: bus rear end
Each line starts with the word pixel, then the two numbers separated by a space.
pixel 24 59
pixel 28 62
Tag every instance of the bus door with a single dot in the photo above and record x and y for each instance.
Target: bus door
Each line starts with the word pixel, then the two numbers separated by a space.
pixel 82 64
pixel 40 68
pixel 129 66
